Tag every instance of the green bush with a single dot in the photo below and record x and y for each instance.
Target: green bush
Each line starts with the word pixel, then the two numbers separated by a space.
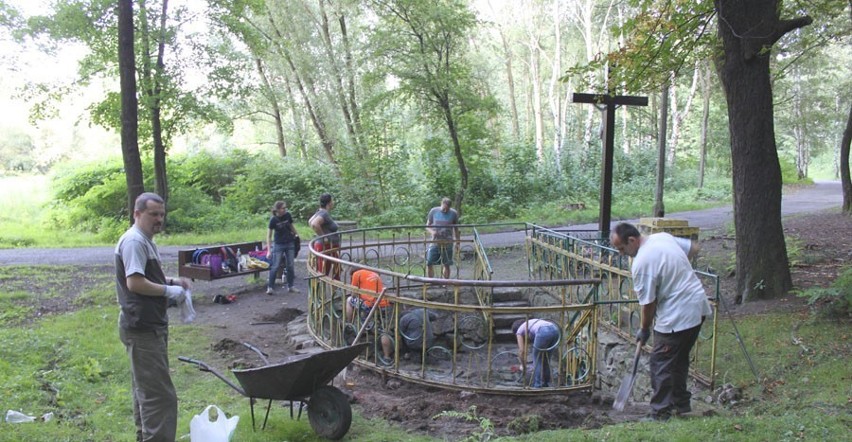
pixel 835 301
pixel 267 178
pixel 208 172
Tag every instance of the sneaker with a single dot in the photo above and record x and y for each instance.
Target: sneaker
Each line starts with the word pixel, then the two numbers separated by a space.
pixel 270 291
pixel 293 290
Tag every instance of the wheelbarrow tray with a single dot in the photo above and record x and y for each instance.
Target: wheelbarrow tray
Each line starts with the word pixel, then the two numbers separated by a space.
pixel 297 377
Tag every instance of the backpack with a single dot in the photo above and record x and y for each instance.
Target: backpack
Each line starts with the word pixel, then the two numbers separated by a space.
pixel 198 254
pixel 229 258
pixel 214 261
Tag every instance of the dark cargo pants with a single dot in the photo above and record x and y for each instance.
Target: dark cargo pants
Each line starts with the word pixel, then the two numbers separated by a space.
pixel 670 370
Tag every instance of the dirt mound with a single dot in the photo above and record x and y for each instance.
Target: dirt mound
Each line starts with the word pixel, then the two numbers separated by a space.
pixel 283 316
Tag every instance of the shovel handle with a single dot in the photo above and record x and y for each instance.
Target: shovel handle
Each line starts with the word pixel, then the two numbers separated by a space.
pixel 636 357
pixel 369 315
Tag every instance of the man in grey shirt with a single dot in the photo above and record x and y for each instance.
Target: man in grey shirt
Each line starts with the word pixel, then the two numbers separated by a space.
pixel 144 293
pixel 440 223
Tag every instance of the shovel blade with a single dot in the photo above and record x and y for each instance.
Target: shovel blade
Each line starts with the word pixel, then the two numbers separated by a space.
pixel 623 392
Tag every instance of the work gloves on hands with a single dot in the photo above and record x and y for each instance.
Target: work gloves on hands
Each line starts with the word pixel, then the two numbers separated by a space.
pixel 642 335
pixel 176 293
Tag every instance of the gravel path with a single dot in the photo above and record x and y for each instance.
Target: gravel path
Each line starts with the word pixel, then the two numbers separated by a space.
pixel 823 195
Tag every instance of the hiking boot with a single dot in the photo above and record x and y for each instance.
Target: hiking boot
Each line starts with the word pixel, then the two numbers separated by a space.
pixel 270 291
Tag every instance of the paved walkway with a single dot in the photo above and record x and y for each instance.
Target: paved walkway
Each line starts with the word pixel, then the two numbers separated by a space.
pixel 823 195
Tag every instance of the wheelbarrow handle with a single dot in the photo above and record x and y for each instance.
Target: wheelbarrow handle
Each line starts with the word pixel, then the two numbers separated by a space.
pixel 201 365
pixel 204 367
pixel 258 351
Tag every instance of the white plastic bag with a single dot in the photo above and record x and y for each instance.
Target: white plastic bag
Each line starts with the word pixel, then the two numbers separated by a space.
pixel 202 429
pixel 16 417
pixel 187 312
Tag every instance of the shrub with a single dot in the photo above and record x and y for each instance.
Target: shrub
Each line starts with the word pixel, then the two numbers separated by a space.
pixel 833 302
pixel 266 179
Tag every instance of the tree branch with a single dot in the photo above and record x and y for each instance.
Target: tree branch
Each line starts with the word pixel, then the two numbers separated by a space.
pixel 785 26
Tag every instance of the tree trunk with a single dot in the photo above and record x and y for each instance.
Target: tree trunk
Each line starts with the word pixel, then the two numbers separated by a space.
pixel 443 99
pixel 535 82
pixel 799 126
pixel 659 206
pixel 350 74
pixel 556 86
pixel 678 115
pixel 510 81
pixel 160 171
pixel 339 90
pixel 129 105
pixel 844 165
pixel 747 30
pixel 269 93
pixel 705 122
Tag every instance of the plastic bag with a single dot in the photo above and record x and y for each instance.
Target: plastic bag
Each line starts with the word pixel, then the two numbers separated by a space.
pixel 16 417
pixel 187 312
pixel 202 429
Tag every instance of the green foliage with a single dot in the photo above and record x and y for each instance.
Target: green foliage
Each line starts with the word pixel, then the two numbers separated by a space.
pixel 208 172
pixel 525 424
pixel 834 301
pixel 789 174
pixel 266 179
pixel 486 427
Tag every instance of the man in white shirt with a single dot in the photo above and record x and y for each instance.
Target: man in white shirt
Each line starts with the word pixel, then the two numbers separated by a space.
pixel 673 299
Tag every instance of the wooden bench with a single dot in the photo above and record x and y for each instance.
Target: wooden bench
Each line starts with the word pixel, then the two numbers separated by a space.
pixel 187 269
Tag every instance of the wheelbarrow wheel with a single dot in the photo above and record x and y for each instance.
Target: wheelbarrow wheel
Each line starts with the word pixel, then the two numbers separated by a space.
pixel 329 412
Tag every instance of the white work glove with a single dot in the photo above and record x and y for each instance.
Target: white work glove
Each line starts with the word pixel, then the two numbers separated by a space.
pixel 176 293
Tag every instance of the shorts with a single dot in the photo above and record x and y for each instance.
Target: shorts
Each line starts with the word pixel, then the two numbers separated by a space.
pixel 326 267
pixel 440 254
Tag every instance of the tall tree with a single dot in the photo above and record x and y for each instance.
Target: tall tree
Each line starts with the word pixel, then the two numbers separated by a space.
pixel 664 37
pixel 844 165
pixel 169 107
pixel 423 45
pixel 152 79
pixel 129 105
pixel 747 31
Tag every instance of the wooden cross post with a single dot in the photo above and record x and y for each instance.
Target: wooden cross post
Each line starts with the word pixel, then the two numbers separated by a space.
pixel 607 103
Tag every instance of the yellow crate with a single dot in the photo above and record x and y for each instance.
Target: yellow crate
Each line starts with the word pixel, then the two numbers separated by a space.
pixel 664 222
pixel 683 232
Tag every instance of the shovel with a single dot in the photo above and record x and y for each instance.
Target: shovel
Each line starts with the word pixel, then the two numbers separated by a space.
pixel 627 383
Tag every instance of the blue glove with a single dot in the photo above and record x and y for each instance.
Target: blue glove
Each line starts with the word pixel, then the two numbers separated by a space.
pixel 642 335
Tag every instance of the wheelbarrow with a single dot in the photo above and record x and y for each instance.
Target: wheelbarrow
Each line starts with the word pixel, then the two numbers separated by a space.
pixel 301 378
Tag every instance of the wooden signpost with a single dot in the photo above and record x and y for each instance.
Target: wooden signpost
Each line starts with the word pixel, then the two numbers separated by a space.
pixel 607 103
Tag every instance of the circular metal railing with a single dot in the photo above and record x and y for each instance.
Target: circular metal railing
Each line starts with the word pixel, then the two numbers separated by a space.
pixel 473 310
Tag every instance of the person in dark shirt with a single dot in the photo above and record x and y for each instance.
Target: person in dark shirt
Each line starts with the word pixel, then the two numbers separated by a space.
pixel 283 250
